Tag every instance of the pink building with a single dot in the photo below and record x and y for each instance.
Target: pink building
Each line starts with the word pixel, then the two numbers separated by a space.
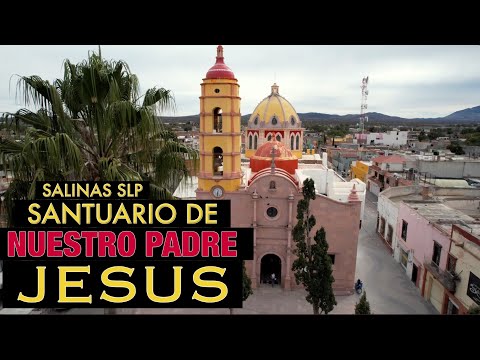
pixel 422 240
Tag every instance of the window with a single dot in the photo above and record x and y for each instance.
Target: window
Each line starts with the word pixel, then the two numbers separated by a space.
pixel 437 251
pixel 452 309
pixel 272 185
pixel 404 230
pixel 390 234
pixel 250 141
pixel 451 263
pixel 297 146
pixel 255 140
pixel 403 258
pixel 382 227
pixel 217 120
pixel 279 138
pixel 256 120
pixel 217 161
pixel 292 121
pixel 274 121
pixel 269 137
pixel 217 91
pixel 292 142
pixel 332 257
pixel 272 212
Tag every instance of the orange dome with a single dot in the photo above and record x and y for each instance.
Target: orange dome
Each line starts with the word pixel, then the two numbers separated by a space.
pixel 280 150
pixel 284 159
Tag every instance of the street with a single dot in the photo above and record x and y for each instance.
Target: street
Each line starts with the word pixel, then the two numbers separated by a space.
pixel 389 290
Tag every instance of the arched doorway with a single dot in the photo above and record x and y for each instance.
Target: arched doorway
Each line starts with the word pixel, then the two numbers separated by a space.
pixel 270 264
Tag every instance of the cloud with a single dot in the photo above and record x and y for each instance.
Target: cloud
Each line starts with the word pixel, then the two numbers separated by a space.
pixel 408 81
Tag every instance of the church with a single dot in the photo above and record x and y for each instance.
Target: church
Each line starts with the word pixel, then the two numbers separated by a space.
pixel 265 184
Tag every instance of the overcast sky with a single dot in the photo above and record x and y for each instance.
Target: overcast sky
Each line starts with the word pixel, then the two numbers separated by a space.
pixel 406 81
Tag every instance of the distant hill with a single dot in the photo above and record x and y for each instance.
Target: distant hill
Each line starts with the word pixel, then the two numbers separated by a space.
pixel 461 116
pixel 472 114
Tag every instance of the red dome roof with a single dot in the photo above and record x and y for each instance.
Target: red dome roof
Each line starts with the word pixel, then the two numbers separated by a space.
pixel 220 70
pixel 283 158
pixel 280 150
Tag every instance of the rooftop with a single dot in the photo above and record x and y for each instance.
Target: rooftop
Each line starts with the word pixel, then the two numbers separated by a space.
pixel 440 214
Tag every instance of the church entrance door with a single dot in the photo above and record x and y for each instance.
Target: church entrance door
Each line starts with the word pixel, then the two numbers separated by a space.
pixel 271 265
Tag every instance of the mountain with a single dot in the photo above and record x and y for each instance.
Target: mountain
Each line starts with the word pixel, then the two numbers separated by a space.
pixel 461 116
pixel 471 114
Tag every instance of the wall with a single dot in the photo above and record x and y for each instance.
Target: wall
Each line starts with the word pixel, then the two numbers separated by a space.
pixel 360 171
pixel 455 169
pixel 420 237
pixel 389 211
pixel 374 188
pixel 468 260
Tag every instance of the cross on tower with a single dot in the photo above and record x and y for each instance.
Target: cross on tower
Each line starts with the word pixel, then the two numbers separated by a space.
pixel 273 158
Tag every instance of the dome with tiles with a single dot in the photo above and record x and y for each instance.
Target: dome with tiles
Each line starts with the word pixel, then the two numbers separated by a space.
pixel 274 111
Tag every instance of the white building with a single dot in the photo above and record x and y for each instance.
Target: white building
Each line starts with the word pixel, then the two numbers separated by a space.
pixel 393 138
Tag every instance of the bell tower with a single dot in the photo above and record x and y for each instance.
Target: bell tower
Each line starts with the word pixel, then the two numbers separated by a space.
pixel 220 132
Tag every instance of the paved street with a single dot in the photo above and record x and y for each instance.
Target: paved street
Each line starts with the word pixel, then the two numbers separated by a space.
pixel 389 290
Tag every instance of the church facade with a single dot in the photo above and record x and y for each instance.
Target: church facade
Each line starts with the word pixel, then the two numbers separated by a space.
pixel 265 193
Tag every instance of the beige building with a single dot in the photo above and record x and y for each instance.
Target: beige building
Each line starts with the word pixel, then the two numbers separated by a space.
pixel 465 254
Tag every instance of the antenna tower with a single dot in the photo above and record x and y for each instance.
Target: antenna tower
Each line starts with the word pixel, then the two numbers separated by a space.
pixel 363 107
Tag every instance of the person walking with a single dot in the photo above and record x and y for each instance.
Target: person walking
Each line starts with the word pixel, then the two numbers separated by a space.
pixel 274 278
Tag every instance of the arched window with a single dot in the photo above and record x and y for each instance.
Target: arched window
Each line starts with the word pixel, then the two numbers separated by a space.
pixel 217 120
pixel 292 142
pixel 250 141
pixel 297 146
pixel 217 161
pixel 273 185
pixel 255 141
pixel 274 121
pixel 269 137
pixel 256 120
pixel 279 138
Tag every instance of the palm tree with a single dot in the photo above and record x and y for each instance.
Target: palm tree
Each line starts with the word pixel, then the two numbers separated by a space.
pixel 92 125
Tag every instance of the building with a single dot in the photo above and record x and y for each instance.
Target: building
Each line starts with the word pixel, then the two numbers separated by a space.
pixel 274 118
pixel 434 240
pixel 360 169
pixel 264 190
pixel 393 139
pixel 385 172
pixel 390 223
pixel 464 263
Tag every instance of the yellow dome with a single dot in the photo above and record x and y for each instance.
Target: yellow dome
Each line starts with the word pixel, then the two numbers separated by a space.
pixel 274 111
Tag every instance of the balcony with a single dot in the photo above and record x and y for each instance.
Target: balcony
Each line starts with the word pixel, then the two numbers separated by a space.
pixel 447 279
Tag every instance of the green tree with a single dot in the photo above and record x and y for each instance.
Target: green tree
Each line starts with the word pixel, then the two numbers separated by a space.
pixel 363 306
pixel 474 310
pixel 92 124
pixel 313 266
pixel 456 148
pixel 246 286
pixel 422 136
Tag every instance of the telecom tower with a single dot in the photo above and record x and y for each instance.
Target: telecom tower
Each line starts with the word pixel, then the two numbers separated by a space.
pixel 363 117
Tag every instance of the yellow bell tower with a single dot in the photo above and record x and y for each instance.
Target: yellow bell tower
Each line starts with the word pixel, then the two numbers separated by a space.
pixel 220 132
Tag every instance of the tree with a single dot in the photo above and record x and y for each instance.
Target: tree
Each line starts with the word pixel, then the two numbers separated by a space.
pixel 422 136
pixel 363 306
pixel 474 310
pixel 92 124
pixel 313 266
pixel 456 148
pixel 246 286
